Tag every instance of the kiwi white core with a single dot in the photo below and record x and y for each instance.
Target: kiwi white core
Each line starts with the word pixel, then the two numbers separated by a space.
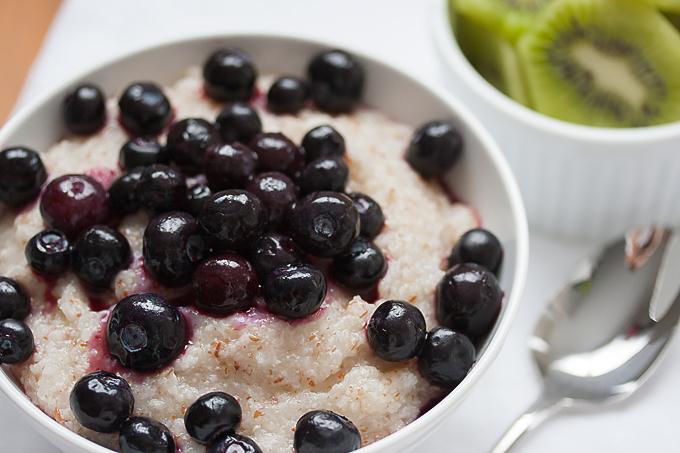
pixel 610 73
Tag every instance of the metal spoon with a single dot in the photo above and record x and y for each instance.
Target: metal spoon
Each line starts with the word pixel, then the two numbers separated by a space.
pixel 602 335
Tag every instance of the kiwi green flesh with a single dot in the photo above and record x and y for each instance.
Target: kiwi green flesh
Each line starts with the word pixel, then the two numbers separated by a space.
pixel 607 63
pixel 492 56
pixel 511 18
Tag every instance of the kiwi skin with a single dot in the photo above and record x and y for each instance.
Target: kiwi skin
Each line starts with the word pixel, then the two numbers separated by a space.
pixel 627 32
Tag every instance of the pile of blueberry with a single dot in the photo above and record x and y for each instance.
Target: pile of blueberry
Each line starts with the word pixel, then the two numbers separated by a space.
pixel 16 338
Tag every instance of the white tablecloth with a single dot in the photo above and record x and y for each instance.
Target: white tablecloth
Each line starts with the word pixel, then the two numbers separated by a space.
pixel 86 32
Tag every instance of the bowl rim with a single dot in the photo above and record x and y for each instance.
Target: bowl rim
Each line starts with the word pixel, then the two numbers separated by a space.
pixel 456 61
pixel 435 415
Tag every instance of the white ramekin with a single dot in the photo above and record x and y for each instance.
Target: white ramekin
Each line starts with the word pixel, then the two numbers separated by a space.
pixel 577 182
pixel 482 177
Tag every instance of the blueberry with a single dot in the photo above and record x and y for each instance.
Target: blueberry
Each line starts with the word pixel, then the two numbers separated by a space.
pixel 22 174
pixel 274 250
pixel 161 189
pixel 446 358
pixel 324 173
pixel 360 267
pixel 73 203
pixel 396 331
pixel 477 246
pixel 145 332
pixel 144 109
pixel 323 141
pixel 468 299
pixel 324 431
pixel 188 140
pixel 211 416
pixel 196 198
pixel 225 284
pixel 84 109
pixel 277 192
pixel 370 213
pixel 229 75
pixel 434 149
pixel 49 253
pixel 234 443
pixel 102 401
pixel 16 341
pixel 238 122
pixel 337 81
pixel 123 192
pixel 229 166
pixel 287 95
pixel 232 220
pixel 14 301
pixel 99 253
pixel 294 291
pixel 173 248
pixel 145 435
pixel 141 152
pixel 276 152
pixel 324 223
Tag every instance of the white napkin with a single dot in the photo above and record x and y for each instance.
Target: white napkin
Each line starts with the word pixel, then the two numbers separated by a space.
pixel 87 32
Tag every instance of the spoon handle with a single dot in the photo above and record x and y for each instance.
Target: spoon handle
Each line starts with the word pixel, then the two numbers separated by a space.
pixel 543 408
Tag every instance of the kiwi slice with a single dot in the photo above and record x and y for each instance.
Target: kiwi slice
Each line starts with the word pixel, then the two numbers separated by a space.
pixel 509 18
pixel 492 56
pixel 609 63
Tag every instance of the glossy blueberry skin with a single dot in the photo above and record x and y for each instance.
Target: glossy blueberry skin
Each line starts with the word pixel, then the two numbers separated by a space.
pixel 324 223
pixel 173 248
pixel 144 109
pixel 434 149
pixel 161 189
pixel 142 152
pixel 49 253
pixel 22 174
pixel 323 141
pixel 123 192
pixel 14 301
pixel 324 431
pixel 229 166
pixel 360 267
pixel 294 291
pixel 225 284
pixel 370 213
pixel 272 251
pixel 102 401
pixel 211 416
pixel 276 152
pixel 188 141
pixel 277 192
pixel 145 435
pixel 16 341
pixel 478 246
pixel 229 75
pixel 196 198
pixel 84 109
pixel 324 173
pixel 73 203
pixel 232 220
pixel 238 122
pixel 145 332
pixel 98 254
pixel 396 331
pixel 234 443
pixel 287 95
pixel 446 358
pixel 468 300
pixel 337 81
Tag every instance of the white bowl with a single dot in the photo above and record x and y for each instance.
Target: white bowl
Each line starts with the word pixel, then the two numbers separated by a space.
pixel 482 177
pixel 577 181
